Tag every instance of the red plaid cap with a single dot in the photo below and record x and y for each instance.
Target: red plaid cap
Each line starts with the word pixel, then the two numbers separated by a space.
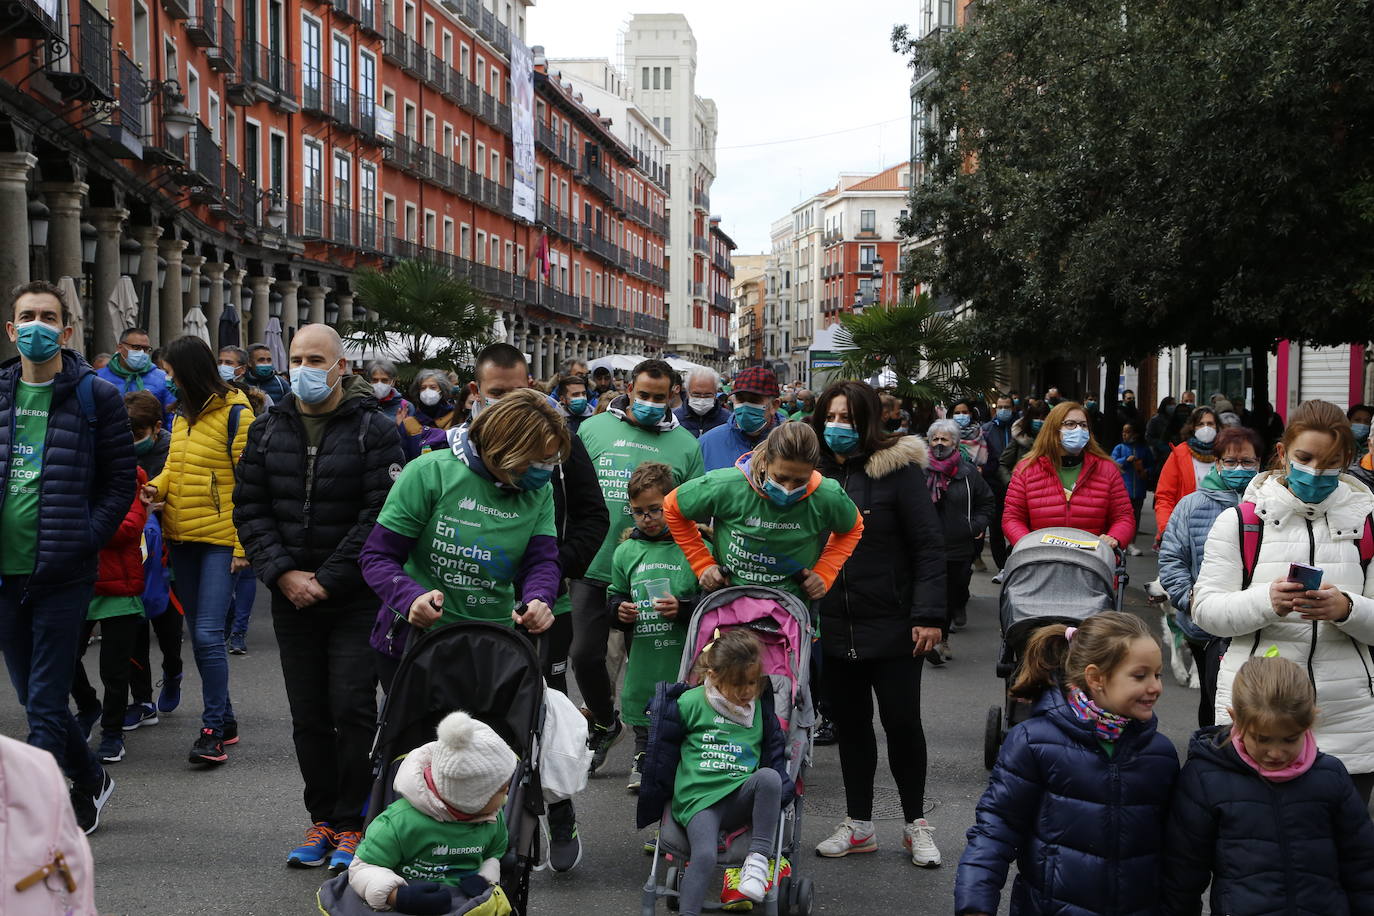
pixel 756 380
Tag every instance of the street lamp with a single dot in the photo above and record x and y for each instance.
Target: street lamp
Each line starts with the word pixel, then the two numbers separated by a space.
pixel 161 271
pixel 176 118
pixel 130 253
pixel 858 301
pixel 204 291
pixel 38 223
pixel 275 214
pixel 878 279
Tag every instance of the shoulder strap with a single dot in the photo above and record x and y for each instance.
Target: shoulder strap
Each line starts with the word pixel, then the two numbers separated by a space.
pixel 232 430
pixel 1367 544
pixel 1251 536
pixel 85 393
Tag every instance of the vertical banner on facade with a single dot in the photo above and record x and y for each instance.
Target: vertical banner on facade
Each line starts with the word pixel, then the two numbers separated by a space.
pixel 522 127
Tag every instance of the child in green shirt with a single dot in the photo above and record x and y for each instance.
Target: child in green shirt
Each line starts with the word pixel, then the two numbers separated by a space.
pixel 651 597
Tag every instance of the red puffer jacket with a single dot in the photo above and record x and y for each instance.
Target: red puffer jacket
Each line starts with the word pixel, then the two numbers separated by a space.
pixel 1035 500
pixel 121 559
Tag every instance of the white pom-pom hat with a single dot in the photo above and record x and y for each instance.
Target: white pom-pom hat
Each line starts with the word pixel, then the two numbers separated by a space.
pixel 470 762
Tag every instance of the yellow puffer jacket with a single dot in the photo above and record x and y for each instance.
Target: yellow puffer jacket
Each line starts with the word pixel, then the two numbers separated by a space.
pixel 197 482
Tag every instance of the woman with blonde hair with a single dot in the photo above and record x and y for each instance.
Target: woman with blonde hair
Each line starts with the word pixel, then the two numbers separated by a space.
pixel 1067 480
pixel 1307 510
pixel 770 511
pixel 467 532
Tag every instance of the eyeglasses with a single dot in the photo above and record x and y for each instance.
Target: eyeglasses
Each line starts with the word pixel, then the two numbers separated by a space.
pixel 647 514
pixel 1074 424
pixel 1231 464
pixel 141 349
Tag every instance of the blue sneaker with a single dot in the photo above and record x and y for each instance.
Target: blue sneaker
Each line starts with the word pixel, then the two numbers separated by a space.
pixel 169 697
pixel 138 714
pixel 87 720
pixel 238 643
pixel 345 844
pixel 319 841
pixel 111 747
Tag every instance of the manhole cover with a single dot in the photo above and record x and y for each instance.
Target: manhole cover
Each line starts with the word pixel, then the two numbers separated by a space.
pixel 828 801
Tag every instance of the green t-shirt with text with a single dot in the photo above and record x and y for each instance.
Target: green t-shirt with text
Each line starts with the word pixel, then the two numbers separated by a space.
pixel 759 542
pixel 640 567
pixel 19 517
pixel 717 755
pixel 419 848
pixel 470 535
pixel 617 447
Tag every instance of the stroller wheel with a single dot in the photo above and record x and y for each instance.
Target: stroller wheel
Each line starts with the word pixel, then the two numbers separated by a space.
pixel 992 736
pixel 787 886
pixel 672 880
pixel 803 896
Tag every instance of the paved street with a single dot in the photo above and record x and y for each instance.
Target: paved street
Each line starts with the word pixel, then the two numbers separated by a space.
pixel 177 841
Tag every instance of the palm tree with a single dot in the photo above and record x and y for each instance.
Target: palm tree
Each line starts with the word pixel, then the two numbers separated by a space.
pixel 931 354
pixel 426 316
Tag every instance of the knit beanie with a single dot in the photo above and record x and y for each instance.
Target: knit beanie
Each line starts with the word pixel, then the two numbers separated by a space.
pixel 469 762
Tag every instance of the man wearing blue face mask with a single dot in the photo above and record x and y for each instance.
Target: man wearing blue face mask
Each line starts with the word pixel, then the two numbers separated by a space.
pixel 69 473
pixel 131 368
pixel 755 414
pixel 998 436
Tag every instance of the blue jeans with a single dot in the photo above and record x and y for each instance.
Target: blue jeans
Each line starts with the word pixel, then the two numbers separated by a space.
pixel 205 587
pixel 40 635
pixel 245 590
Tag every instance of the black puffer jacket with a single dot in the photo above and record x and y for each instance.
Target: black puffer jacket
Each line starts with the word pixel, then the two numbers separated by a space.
pixel 965 509
pixel 313 513
pixel 1299 848
pixel 895 579
pixel 579 511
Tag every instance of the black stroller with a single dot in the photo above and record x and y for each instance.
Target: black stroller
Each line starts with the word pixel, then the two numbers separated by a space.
pixel 1054 575
pixel 492 673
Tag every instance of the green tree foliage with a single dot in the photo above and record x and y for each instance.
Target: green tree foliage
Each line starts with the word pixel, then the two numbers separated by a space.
pixel 426 316
pixel 931 354
pixel 1111 178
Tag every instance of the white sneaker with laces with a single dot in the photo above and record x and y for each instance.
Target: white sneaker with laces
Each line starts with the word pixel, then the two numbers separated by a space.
pixel 850 836
pixel 753 877
pixel 997 579
pixel 919 837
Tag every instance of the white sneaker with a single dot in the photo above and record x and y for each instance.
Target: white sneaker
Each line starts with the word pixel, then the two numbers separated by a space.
pixel 919 837
pixel 1133 551
pixel 850 836
pixel 997 579
pixel 753 877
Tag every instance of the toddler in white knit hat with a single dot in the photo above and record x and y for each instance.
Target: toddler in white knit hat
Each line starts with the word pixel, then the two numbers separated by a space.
pixel 446 830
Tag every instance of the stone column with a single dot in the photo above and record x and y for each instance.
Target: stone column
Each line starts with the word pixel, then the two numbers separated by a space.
pixel 14 224
pixel 290 305
pixel 314 295
pixel 147 237
pixel 171 318
pixel 64 244
pixel 107 228
pixel 262 291
pixel 345 302
pixel 191 295
pixel 214 271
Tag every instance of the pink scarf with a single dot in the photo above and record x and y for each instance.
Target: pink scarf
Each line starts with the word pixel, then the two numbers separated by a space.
pixel 939 473
pixel 1301 764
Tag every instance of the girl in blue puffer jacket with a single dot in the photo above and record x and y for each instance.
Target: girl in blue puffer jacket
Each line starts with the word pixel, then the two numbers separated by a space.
pixel 1081 789
pixel 1272 823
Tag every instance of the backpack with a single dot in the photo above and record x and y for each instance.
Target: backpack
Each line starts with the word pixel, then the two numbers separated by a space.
pixel 1252 535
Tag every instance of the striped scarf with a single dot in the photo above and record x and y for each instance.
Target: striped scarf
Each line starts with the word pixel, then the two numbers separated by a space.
pixel 1108 725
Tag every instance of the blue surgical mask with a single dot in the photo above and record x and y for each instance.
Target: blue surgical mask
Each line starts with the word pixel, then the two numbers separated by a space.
pixel 647 412
pixel 577 405
pixel 1361 431
pixel 841 438
pixel 1311 485
pixel 311 385
pixel 536 476
pixel 1074 440
pixel 226 373
pixel 780 495
pixel 38 341
pixel 1237 478
pixel 264 371
pixel 963 420
pixel 750 418
pixel 1004 415
pixel 1036 424
pixel 173 391
pixel 137 360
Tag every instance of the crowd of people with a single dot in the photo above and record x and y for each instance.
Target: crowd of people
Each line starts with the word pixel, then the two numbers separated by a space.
pixel 593 512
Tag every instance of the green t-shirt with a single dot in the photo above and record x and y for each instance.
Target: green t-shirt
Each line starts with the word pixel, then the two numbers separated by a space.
pixel 717 755
pixel 1068 479
pixel 419 848
pixel 471 535
pixel 759 542
pixel 102 607
pixel 617 447
pixel 19 517
pixel 656 649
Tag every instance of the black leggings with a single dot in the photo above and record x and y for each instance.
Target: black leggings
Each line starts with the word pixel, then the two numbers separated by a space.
pixel 1207 661
pixel 116 645
pixel 850 686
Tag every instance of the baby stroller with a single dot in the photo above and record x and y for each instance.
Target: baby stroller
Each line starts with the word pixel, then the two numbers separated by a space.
pixel 782 622
pixel 492 673
pixel 1054 575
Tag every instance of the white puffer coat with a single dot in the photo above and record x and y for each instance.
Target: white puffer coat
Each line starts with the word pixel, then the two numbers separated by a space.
pixel 1336 655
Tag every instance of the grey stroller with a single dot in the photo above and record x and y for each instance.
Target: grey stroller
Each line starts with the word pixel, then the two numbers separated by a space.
pixel 1054 575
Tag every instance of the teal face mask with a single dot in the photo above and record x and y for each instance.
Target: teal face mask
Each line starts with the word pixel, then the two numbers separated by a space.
pixel 647 412
pixel 38 341
pixel 780 495
pixel 1036 424
pixel 841 437
pixel 1311 485
pixel 577 405
pixel 750 418
pixel 1237 478
pixel 536 476
pixel 264 371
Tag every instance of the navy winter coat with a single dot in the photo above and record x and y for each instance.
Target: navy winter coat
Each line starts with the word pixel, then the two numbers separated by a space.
pixel 1086 830
pixel 659 771
pixel 1298 848
pixel 89 471
pixel 697 424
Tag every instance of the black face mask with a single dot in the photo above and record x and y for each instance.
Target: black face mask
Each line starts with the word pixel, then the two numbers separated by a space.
pixel 893 424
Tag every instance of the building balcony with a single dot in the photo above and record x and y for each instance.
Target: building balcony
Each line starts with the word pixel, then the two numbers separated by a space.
pixel 698 290
pixel 701 244
pixel 470 11
pixel 344 9
pixel 125 128
pixel 29 19
pixel 87 72
pixel 605 316
pixel 723 302
pixel 701 200
pixel 158 146
pixel 220 56
pixel 397 47
pixel 206 160
pixel 203 29
pixel 921 67
pixel 724 266
pixel 271 75
pixel 600 246
pixel 369 17
pixel 178 9
pixel 486 26
pixel 831 236
pixel 725 345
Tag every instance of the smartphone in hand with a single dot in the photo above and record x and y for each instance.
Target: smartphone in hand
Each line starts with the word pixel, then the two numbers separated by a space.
pixel 1310 577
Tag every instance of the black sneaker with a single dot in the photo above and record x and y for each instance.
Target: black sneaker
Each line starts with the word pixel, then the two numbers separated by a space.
pixel 960 620
pixel 111 747
pixel 208 749
pixel 935 659
pixel 636 774
pixel 565 849
pixel 230 732
pixel 825 733
pixel 601 740
pixel 87 806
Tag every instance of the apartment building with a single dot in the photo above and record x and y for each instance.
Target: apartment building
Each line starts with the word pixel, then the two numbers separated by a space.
pixel 860 244
pixel 749 292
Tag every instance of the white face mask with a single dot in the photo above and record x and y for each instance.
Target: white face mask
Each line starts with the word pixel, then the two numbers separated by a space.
pixel 701 405
pixel 381 389
pixel 429 396
pixel 1205 434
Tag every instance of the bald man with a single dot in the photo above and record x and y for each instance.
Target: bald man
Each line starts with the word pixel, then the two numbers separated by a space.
pixel 312 478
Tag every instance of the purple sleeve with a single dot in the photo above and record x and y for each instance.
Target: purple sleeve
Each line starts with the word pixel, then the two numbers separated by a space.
pixel 381 561
pixel 539 572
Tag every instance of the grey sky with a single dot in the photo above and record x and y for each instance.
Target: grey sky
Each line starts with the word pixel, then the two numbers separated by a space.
pixel 777 71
